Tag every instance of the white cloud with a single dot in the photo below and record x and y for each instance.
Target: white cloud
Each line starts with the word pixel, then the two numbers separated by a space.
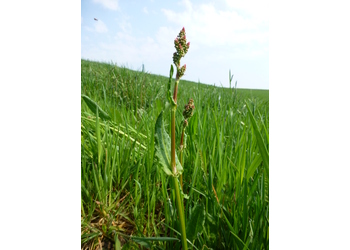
pixel 255 9
pixel 123 21
pixel 145 10
pixel 109 4
pixel 125 37
pixel 213 27
pixel 166 35
pixel 100 27
pixel 125 26
pixel 135 51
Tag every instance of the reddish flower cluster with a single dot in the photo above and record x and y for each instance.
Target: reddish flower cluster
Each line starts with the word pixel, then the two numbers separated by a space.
pixel 189 109
pixel 181 47
pixel 182 70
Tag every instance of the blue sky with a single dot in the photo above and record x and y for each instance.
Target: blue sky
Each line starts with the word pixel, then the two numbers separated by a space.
pixel 224 35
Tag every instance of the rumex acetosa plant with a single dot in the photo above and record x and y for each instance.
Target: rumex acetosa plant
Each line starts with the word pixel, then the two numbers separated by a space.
pixel 164 145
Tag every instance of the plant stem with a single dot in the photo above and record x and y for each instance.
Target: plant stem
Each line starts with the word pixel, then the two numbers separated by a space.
pixel 181 155
pixel 181 213
pixel 173 112
pixel 173 166
pixel 175 90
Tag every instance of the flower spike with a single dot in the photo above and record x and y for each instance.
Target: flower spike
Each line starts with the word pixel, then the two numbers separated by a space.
pixel 181 46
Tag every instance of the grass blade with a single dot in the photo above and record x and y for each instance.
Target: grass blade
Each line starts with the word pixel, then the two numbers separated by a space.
pixel 93 106
pixel 263 151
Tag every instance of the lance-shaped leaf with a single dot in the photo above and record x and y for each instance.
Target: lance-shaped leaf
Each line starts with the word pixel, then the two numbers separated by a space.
pixel 263 151
pixel 163 148
pixel 93 106
pixel 170 98
pixel 169 82
pixel 196 222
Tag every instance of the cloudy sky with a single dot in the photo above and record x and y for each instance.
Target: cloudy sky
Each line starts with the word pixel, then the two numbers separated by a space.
pixel 224 35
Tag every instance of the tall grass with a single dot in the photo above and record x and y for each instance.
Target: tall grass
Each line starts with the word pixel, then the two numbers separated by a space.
pixel 125 199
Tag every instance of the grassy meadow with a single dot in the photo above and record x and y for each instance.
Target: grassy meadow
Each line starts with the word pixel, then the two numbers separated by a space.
pixel 127 200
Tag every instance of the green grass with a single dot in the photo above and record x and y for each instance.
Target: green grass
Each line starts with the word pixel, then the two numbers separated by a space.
pixel 127 199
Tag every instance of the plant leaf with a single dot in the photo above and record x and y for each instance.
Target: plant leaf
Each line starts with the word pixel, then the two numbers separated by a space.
pixel 169 83
pixel 263 151
pixel 146 239
pixel 253 166
pixel 196 222
pixel 117 245
pixel 93 107
pixel 163 148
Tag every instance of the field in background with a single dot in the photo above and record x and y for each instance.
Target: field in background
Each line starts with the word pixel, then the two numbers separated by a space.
pixel 125 197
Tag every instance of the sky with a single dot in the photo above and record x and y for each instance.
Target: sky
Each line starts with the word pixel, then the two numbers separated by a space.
pixel 224 35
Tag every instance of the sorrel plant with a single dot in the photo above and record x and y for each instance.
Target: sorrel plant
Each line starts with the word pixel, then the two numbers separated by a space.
pixel 174 167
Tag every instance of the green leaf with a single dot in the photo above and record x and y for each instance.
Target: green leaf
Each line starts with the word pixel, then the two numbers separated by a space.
pixel 163 148
pixel 169 82
pixel 185 196
pixel 170 98
pixel 98 138
pixel 142 243
pixel 245 245
pixel 263 151
pixel 93 107
pixel 245 207
pixel 196 222
pixel 253 166
pixel 232 230
pixel 170 76
pixel 146 239
pixel 117 245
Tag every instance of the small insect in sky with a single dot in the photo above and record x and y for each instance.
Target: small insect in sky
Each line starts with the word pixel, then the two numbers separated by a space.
pixel 95 19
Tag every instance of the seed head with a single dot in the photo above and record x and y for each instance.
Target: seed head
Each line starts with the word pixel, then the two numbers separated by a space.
pixel 186 47
pixel 180 72
pixel 189 109
pixel 181 46
pixel 176 59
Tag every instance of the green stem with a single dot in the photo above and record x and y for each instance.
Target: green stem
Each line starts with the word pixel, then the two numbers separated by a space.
pixel 180 207
pixel 181 155
pixel 173 112
pixel 175 90
pixel 173 164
